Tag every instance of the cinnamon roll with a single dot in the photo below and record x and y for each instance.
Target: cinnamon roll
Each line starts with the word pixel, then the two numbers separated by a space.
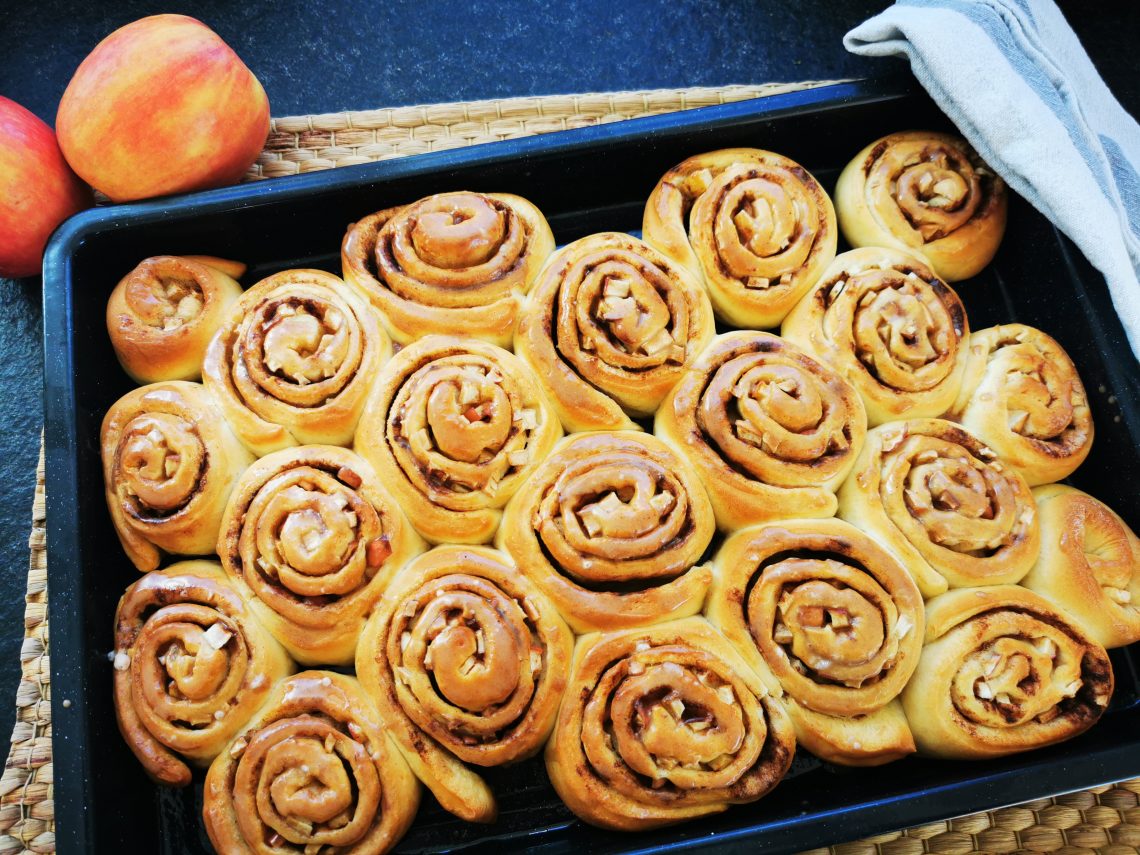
pixel 836 620
pixel 1023 397
pixel 467 661
pixel 890 327
pixel 1089 564
pixel 169 463
pixel 315 537
pixel 295 360
pixel 941 501
pixel 1003 671
pixel 664 724
pixel 454 428
pixel 192 666
pixel 926 193
pixel 313 772
pixel 771 431
pixel 162 315
pixel 755 226
pixel 453 263
pixel 611 325
pixel 612 526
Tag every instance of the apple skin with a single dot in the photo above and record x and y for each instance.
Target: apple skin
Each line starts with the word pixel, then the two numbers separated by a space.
pixel 161 106
pixel 38 190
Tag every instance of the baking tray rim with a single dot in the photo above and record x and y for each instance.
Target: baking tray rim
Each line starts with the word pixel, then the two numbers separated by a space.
pixel 70 725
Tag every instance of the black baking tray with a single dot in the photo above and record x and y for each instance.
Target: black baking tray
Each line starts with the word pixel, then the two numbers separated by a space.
pixel 584 180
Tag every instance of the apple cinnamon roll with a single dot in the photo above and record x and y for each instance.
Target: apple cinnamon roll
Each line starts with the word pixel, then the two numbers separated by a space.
pixel 754 225
pixel 454 428
pixel 192 666
pixel 940 501
pixel 162 315
pixel 1089 564
pixel 453 263
pixel 664 724
pixel 837 622
pixel 927 193
pixel 1003 671
pixel 170 462
pixel 771 431
pixel 609 328
pixel 612 526
pixel 315 537
pixel 468 662
pixel 295 361
pixel 313 772
pixel 891 328
pixel 1023 397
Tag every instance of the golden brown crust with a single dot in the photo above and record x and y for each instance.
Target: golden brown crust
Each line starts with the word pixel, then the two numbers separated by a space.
pixel 926 193
pixel 771 431
pixel 754 225
pixel 890 327
pixel 453 263
pixel 941 501
pixel 170 462
pixel 455 426
pixel 664 724
pixel 295 361
pixel 467 661
pixel 1003 671
pixel 611 324
pixel 611 526
pixel 315 538
pixel 1089 564
pixel 314 770
pixel 233 269
pixel 1022 396
pixel 871 740
pixel 162 315
pixel 827 615
pixel 192 666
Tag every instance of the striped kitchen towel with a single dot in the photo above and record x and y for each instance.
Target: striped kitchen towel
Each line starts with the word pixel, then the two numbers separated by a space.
pixel 1013 77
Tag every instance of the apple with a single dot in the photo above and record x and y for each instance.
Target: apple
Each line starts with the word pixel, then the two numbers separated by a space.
pixel 162 105
pixel 38 190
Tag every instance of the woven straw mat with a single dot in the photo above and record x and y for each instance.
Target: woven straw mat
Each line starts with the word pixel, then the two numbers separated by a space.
pixel 1105 819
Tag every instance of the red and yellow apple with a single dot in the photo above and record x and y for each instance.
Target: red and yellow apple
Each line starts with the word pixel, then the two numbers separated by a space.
pixel 38 190
pixel 162 105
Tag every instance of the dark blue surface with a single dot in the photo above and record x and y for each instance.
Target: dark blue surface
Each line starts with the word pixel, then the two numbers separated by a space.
pixel 316 57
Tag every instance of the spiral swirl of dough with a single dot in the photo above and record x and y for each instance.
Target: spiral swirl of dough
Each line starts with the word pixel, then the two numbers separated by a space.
pixel 926 193
pixel 756 226
pixel 192 666
pixel 838 623
pixel 455 428
pixel 1003 671
pixel 612 526
pixel 170 462
pixel 162 315
pixel 467 661
pixel 941 501
pixel 611 325
pixel 664 724
pixel 772 431
pixel 891 328
pixel 453 263
pixel 315 537
pixel 1023 397
pixel 295 361
pixel 314 769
